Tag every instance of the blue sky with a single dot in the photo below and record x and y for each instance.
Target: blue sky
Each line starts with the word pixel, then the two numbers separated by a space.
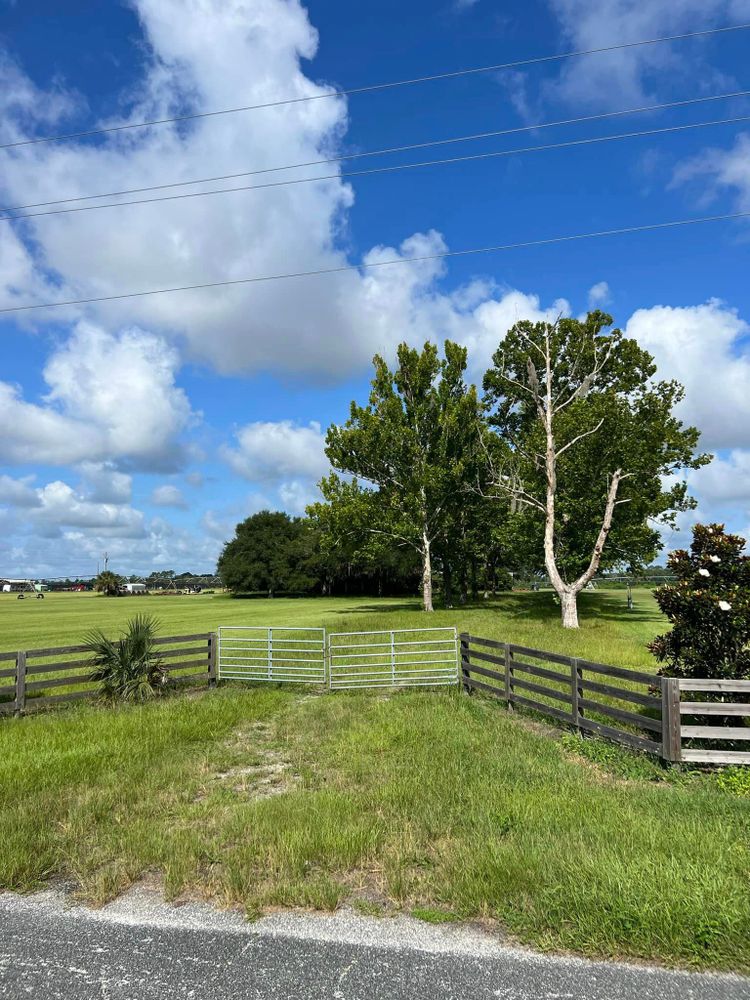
pixel 148 428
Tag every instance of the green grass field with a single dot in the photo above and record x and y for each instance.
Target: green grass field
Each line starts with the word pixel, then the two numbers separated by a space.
pixel 608 633
pixel 426 802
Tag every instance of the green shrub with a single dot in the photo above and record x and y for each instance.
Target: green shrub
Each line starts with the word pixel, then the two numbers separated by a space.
pixel 709 608
pixel 735 780
pixel 128 668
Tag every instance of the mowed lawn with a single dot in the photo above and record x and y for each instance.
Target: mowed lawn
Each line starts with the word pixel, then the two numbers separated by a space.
pixel 426 802
pixel 609 633
pixel 63 618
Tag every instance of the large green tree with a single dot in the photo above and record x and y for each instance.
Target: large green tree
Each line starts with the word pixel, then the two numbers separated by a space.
pixel 589 445
pixel 350 554
pixel 270 551
pixel 411 442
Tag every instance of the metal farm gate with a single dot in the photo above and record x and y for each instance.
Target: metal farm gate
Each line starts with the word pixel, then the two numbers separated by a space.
pixel 422 657
pixel 252 653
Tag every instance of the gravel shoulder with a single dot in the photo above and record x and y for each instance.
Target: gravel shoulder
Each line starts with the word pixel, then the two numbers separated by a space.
pixel 139 947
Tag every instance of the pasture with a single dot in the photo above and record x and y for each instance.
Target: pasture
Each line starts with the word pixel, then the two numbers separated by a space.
pixel 608 632
pixel 433 803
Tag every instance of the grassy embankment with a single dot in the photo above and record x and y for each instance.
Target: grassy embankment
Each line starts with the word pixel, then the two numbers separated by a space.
pixel 425 801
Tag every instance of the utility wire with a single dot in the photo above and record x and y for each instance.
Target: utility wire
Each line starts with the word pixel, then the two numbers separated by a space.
pixel 674 224
pixel 386 150
pixel 515 64
pixel 395 168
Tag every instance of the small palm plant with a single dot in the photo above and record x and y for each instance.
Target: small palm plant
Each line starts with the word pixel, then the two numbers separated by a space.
pixel 128 668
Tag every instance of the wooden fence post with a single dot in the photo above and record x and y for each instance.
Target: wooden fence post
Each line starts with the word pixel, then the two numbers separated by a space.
pixel 671 725
pixel 465 663
pixel 508 675
pixel 20 682
pixel 212 657
pixel 575 692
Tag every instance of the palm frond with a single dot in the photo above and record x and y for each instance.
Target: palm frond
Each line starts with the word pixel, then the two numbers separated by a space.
pixel 128 668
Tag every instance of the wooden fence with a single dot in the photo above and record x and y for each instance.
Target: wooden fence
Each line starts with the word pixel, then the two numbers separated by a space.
pixel 28 677
pixel 638 709
pixel 703 723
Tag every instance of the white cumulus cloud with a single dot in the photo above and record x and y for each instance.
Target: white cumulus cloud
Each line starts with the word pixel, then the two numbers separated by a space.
pixel 61 506
pixel 104 483
pixel 630 76
pixel 200 55
pixel 110 396
pixel 599 295
pixel 167 495
pixel 268 452
pixel 718 170
pixel 18 492
pixel 705 348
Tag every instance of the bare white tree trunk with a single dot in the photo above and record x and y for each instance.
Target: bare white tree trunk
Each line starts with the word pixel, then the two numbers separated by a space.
pixel 569 606
pixel 567 592
pixel 541 392
pixel 426 573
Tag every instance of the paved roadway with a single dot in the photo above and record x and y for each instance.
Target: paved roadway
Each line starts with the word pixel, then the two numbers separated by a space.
pixel 139 948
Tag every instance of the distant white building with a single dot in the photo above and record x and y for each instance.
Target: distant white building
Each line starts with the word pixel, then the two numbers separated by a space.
pixel 134 588
pixel 19 586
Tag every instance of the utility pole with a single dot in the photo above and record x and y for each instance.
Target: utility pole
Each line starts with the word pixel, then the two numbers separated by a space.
pixel 106 561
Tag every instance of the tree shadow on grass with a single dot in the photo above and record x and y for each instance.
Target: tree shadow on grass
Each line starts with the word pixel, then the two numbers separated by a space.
pixel 612 606
pixel 542 608
pixel 375 609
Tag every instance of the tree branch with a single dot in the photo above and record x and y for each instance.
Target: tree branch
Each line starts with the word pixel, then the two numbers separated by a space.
pixel 609 510
pixel 579 437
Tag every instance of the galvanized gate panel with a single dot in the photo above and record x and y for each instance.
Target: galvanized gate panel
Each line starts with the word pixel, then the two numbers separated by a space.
pixel 422 657
pixel 255 653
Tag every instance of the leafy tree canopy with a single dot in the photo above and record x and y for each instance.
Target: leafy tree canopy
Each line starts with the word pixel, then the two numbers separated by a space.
pixel 270 552
pixel 411 441
pixel 358 536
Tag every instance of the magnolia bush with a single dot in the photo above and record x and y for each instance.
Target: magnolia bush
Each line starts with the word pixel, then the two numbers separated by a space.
pixel 709 608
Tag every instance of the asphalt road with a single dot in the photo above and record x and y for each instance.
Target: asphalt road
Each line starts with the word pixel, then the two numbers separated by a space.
pixel 140 948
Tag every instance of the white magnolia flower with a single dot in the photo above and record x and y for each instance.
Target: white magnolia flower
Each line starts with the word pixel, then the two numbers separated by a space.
pixel 704 572
pixel 714 559
pixel 725 605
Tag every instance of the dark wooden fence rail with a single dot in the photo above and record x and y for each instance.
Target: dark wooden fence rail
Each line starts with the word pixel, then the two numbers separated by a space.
pixel 578 692
pixel 27 676
pixel 640 710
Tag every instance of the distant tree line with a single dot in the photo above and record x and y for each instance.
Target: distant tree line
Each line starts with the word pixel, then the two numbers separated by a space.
pixel 563 467
pixel 273 553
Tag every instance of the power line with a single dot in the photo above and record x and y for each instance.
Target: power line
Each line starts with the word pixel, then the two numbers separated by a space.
pixel 473 71
pixel 526 244
pixel 395 168
pixel 388 150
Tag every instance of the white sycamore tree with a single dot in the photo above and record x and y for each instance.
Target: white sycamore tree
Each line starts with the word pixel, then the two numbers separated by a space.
pixel 586 449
